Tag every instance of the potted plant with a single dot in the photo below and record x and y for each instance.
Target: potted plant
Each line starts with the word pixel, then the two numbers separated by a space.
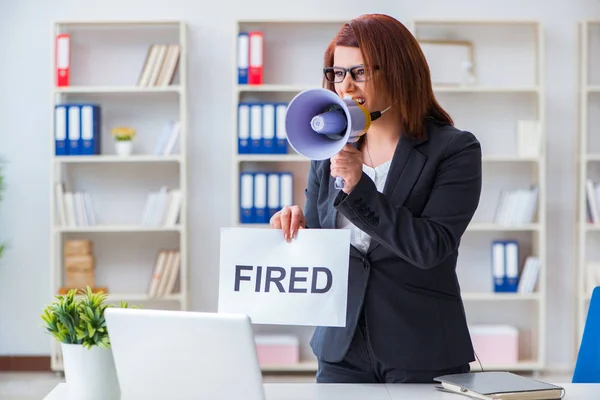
pixel 76 321
pixel 123 140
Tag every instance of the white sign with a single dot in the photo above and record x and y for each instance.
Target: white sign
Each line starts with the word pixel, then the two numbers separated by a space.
pixel 302 282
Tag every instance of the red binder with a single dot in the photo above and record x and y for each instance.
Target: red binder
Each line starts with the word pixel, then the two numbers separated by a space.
pixel 63 59
pixel 255 67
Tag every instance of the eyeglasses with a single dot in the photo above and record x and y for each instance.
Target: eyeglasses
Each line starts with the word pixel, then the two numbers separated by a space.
pixel 338 74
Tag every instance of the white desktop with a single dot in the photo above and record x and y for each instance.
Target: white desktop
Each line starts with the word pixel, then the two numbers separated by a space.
pixel 183 355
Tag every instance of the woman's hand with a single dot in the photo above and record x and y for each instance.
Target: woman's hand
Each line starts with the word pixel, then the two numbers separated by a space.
pixel 289 220
pixel 347 164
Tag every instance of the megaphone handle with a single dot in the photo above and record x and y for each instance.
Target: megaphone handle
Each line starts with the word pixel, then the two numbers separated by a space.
pixel 339 182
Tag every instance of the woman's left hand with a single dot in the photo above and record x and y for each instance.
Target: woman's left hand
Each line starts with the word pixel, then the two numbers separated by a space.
pixel 347 164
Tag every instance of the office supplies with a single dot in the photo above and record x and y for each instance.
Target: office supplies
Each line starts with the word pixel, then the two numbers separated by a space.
pixel 499 385
pixel 163 354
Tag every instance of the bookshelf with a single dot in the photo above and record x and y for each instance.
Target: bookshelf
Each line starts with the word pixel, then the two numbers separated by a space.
pixel 503 105
pixel 292 58
pixel 587 271
pixel 130 230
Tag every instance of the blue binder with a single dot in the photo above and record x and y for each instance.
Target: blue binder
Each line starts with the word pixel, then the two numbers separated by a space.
pixel 261 208
pixel 74 129
pixel 243 59
pixel 256 128
pixel 281 142
pixel 243 128
pixel 90 138
pixel 505 265
pixel 247 213
pixel 61 119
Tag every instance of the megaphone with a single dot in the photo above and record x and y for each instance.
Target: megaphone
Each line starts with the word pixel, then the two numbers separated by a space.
pixel 319 123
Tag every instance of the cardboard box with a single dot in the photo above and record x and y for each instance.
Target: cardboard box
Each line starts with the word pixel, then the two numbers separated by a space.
pixel 79 271
pixel 496 344
pixel 77 247
pixel 277 349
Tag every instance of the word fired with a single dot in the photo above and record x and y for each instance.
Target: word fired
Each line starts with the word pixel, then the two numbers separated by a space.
pixel 292 280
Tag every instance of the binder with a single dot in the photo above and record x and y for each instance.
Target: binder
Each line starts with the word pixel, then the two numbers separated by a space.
pixel 268 128
pixel 255 63
pixel 505 265
pixel 256 128
pixel 246 197
pixel 512 266
pixel 243 128
pixel 243 57
pixel 90 130
pixel 63 59
pixel 260 198
pixel 60 130
pixel 274 195
pixel 74 129
pixel 281 143
pixel 286 187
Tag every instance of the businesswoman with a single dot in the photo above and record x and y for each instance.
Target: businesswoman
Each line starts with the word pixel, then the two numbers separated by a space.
pixel 413 184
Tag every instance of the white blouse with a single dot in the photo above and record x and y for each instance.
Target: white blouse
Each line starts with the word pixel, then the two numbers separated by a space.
pixel 358 238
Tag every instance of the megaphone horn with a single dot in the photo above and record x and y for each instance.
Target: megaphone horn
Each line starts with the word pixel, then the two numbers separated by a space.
pixel 319 123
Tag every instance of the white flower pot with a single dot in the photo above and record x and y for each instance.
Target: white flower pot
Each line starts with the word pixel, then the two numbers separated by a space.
pixel 124 147
pixel 90 374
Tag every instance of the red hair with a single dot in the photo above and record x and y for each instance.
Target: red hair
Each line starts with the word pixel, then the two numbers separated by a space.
pixel 403 72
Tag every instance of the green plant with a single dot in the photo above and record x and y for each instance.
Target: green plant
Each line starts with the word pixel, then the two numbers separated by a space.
pixel 123 134
pixel 79 318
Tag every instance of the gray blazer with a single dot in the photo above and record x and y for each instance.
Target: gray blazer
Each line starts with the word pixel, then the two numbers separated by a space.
pixel 406 284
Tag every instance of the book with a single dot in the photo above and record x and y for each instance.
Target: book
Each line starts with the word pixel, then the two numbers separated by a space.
pixel 499 385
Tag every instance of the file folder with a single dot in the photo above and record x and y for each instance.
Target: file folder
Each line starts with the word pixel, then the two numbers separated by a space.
pixel 281 145
pixel 60 130
pixel 246 197
pixel 90 129
pixel 243 128
pixel 273 199
pixel 74 129
pixel 287 189
pixel 505 265
pixel 260 198
pixel 255 62
pixel 268 129
pixel 256 127
pixel 243 57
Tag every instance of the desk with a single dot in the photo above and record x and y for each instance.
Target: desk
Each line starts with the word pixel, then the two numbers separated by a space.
pixel 314 391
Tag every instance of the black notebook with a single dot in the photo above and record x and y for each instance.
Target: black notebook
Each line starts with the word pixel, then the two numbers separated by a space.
pixel 499 386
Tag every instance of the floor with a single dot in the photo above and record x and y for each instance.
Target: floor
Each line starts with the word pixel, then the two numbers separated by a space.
pixel 36 385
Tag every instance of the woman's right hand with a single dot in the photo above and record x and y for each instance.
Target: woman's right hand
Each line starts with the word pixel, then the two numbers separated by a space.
pixel 289 220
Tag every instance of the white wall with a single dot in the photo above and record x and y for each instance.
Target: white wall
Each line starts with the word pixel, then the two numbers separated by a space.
pixel 25 83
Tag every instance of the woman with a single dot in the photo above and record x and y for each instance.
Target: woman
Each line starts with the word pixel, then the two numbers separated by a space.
pixel 412 185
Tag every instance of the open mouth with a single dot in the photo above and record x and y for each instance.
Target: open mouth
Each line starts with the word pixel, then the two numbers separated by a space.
pixel 359 100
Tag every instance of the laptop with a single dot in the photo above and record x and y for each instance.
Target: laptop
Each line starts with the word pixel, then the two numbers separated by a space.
pixel 163 354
